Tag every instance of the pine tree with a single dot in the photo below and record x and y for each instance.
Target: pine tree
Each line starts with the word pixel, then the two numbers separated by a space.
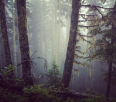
pixel 54 75
pixel 106 46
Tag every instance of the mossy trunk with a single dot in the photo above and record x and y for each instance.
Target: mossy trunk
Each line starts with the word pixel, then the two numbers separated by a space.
pixel 3 28
pixel 71 44
pixel 24 43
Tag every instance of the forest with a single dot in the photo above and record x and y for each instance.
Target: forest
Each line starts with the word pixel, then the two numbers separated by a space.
pixel 57 50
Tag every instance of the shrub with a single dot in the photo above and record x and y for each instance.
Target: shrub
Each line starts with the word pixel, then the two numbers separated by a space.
pixel 54 75
pixel 38 94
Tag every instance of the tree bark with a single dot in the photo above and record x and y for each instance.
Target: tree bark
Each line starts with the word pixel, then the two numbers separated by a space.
pixel 71 44
pixel 110 66
pixel 109 80
pixel 5 39
pixel 23 39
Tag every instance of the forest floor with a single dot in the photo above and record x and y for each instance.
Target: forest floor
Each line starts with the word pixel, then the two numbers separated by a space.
pixel 38 93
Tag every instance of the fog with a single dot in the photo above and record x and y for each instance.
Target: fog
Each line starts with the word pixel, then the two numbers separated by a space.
pixel 49 27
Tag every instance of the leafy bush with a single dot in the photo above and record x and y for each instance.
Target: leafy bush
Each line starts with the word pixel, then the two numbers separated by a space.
pixel 6 75
pixel 7 81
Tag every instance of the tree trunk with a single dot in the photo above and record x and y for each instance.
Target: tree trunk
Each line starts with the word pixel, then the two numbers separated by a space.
pixel 4 33
pixel 56 33
pixel 23 39
pixel 110 66
pixel 14 39
pixel 109 80
pixel 71 44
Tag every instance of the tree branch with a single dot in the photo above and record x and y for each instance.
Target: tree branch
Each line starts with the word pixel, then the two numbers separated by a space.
pixel 95 6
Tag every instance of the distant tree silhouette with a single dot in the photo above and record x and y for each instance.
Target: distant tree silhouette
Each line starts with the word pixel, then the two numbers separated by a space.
pixel 4 33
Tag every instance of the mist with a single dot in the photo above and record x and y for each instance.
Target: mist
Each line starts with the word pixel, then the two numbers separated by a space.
pixel 48 31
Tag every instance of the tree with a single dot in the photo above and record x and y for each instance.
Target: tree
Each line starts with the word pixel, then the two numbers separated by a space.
pixel 75 32
pixel 54 75
pixel 71 44
pixel 4 33
pixel 106 51
pixel 14 38
pixel 23 39
pixel 113 76
pixel 106 46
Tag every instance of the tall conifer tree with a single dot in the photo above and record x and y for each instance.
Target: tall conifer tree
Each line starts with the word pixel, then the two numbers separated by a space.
pixel 71 44
pixel 5 39
pixel 106 46
pixel 24 43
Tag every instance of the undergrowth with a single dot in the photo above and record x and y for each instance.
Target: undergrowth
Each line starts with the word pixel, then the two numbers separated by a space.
pixel 37 93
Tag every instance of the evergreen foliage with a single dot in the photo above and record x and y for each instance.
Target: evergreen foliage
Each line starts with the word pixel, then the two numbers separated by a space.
pixel 104 48
pixel 54 75
pixel 113 77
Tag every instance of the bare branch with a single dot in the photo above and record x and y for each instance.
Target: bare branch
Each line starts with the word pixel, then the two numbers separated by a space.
pixel 95 6
pixel 25 61
pixel 79 51
pixel 89 36
pixel 30 60
pixel 86 20
pixel 33 54
pixel 83 1
pixel 86 15
pixel 88 26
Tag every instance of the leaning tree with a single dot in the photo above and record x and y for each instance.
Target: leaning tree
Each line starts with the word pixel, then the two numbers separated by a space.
pixel 71 44
pixel 74 32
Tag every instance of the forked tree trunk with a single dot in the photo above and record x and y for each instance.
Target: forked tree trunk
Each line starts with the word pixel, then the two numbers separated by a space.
pixel 71 44
pixel 23 39
pixel 3 28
